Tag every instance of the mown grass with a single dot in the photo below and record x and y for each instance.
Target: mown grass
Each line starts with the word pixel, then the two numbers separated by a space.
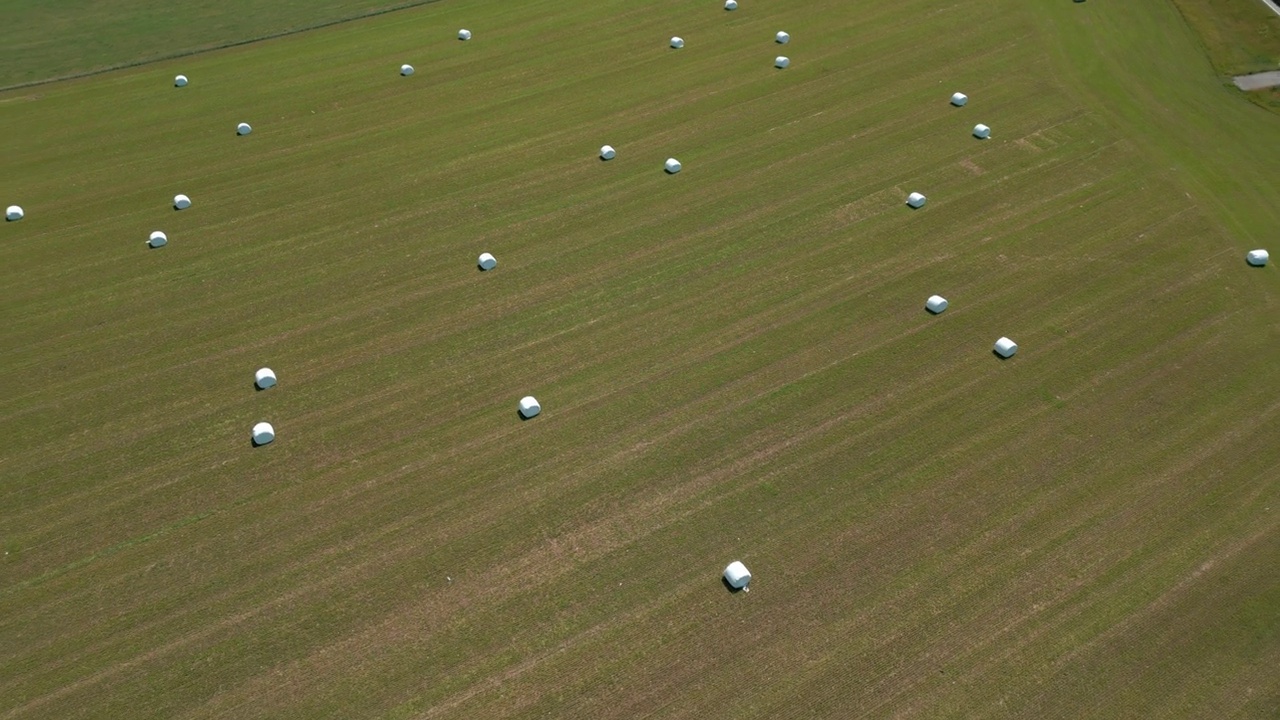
pixel 734 363
pixel 45 40
pixel 1239 38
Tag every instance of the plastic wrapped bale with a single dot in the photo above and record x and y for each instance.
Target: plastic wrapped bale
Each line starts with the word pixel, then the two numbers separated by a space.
pixel 730 4
pixel 529 407
pixel 181 202
pixel 264 378
pixel 677 42
pixel 1258 258
pixel 487 261
pixel 782 38
pixel 737 575
pixel 1005 347
pixel 916 200
pixel 180 81
pixel 781 62
pixel 935 304
pixel 464 34
pixel 959 99
pixel 982 132
pixel 263 433
pixel 607 152
pixel 158 239
pixel 243 129
pixel 672 166
pixel 406 70
pixel 13 213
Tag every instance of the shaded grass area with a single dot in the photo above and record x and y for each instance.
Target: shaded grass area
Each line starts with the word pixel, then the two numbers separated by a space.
pixel 41 41
pixel 734 362
pixel 1240 38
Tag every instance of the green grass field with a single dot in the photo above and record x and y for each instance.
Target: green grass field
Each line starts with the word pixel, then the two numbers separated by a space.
pixel 734 363
pixel 1239 38
pixel 47 40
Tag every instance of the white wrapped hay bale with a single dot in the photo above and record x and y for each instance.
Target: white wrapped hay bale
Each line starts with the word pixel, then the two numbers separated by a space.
pixel 607 152
pixel 243 129
pixel 982 132
pixel 181 202
pixel 487 261
pixel 464 34
pixel 935 304
pixel 677 42
pixel 916 200
pixel 672 166
pixel 782 38
pixel 406 70
pixel 737 575
pixel 782 62
pixel 529 407
pixel 1005 347
pixel 1257 258
pixel 13 213
pixel 959 99
pixel 264 378
pixel 158 239
pixel 180 81
pixel 263 433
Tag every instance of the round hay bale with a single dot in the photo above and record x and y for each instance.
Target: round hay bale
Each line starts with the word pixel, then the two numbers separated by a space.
pixel 487 261
pixel 263 433
pixel 181 202
pixel 781 62
pixel 782 38
pixel 464 34
pixel 607 152
pixel 243 129
pixel 13 213
pixel 529 407
pixel 672 166
pixel 158 239
pixel 916 200
pixel 1005 347
pixel 1258 258
pixel 959 99
pixel 264 378
pixel 935 304
pixel 982 132
pixel 180 81
pixel 677 42
pixel 737 575
pixel 406 70
pixel 730 4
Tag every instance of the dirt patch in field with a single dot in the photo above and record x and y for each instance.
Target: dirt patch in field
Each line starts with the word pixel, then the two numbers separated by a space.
pixel 1257 81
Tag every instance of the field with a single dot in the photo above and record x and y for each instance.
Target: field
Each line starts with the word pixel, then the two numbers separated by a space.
pixel 44 41
pixel 734 363
pixel 1239 38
